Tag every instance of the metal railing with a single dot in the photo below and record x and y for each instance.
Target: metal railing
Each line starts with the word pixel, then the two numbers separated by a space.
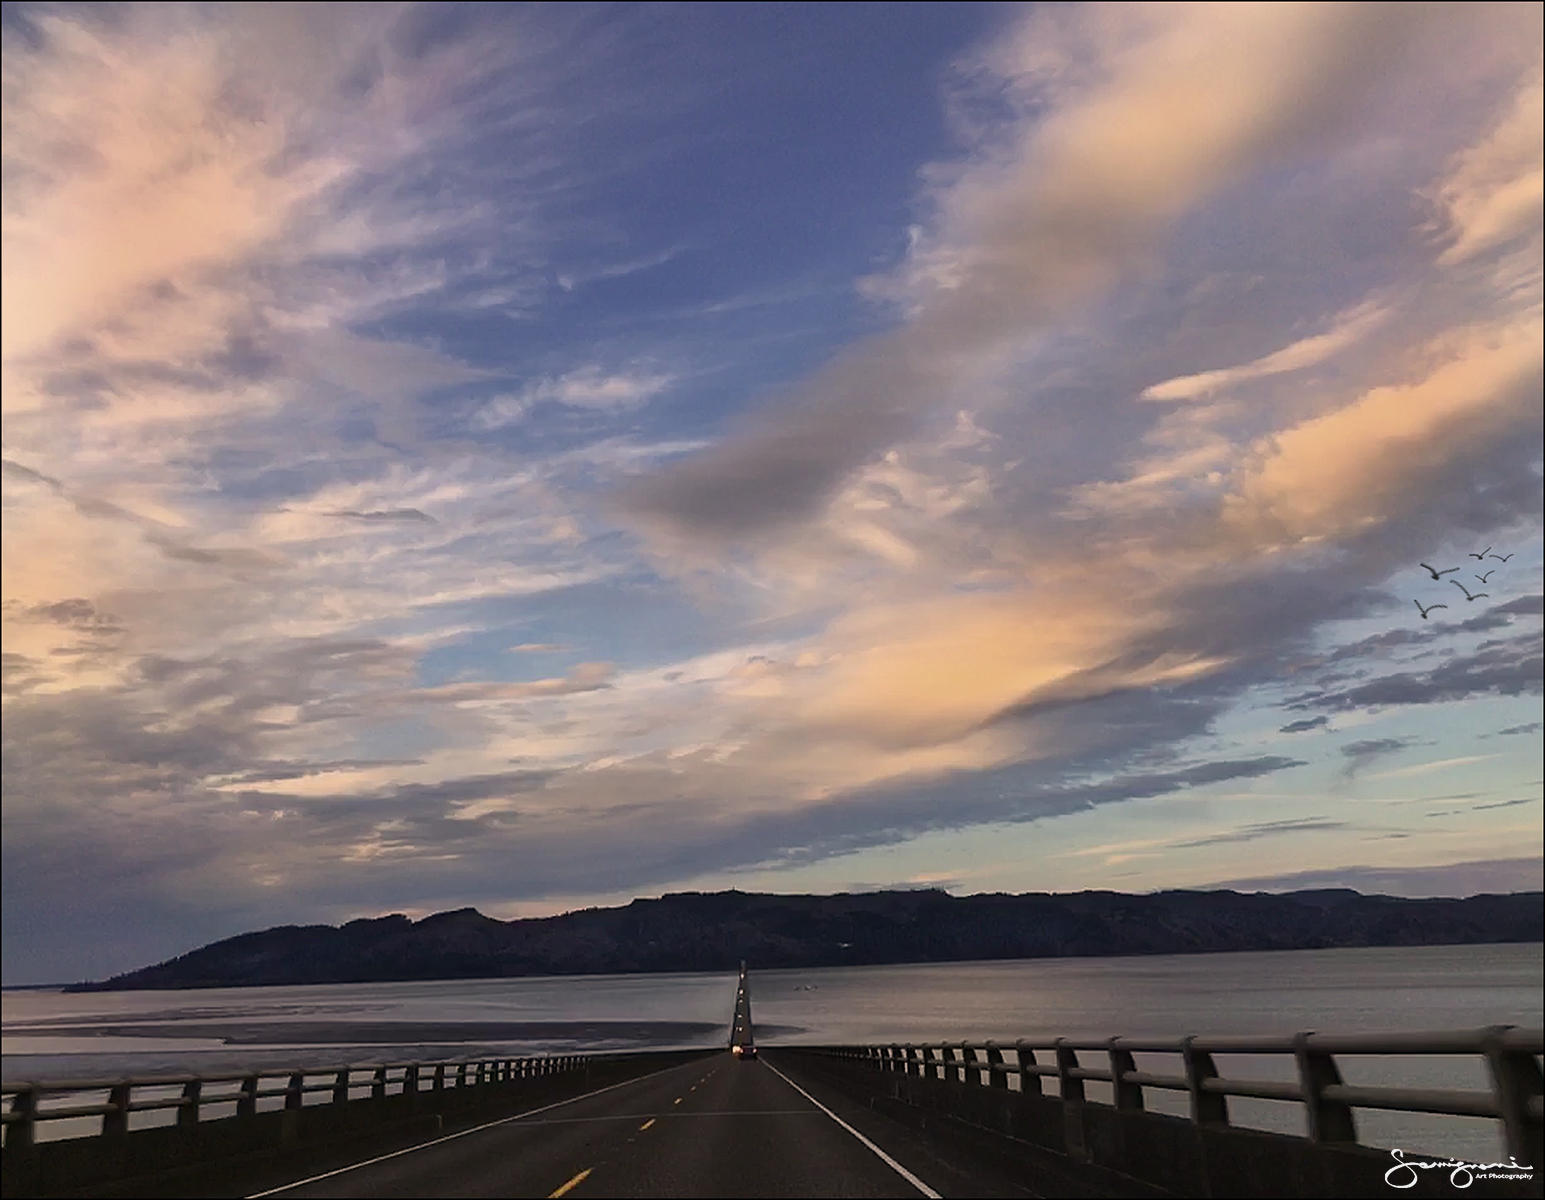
pixel 1511 1055
pixel 28 1101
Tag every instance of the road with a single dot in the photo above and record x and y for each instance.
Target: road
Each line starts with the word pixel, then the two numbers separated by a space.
pixel 713 1127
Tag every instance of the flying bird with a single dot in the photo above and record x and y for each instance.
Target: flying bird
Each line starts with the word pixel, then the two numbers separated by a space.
pixel 1440 574
pixel 1462 588
pixel 1482 554
pixel 1428 609
pixel 1502 557
pixel 1488 575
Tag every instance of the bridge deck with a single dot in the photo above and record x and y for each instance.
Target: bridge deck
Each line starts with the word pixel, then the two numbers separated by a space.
pixel 715 1127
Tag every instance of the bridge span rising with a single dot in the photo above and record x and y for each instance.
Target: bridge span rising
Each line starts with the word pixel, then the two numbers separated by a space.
pixel 943 1119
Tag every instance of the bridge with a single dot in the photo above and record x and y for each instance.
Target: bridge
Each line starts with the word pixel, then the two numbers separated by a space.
pixel 956 1119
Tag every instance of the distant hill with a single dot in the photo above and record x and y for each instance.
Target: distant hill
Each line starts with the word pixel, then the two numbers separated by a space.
pixel 697 931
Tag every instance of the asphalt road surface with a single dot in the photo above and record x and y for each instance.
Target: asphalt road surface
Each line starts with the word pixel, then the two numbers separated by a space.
pixel 713 1127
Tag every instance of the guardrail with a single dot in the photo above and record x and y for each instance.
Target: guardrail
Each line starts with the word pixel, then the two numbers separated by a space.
pixel 1511 1055
pixel 26 1107
pixel 153 1133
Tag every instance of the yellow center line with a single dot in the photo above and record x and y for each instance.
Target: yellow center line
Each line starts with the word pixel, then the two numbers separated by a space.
pixel 570 1185
pixel 646 1125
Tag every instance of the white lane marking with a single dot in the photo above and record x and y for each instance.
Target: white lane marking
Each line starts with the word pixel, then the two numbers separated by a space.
pixel 646 1125
pixel 880 1154
pixel 451 1137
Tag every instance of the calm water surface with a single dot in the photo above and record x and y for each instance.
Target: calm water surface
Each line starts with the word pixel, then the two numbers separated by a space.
pixel 50 1035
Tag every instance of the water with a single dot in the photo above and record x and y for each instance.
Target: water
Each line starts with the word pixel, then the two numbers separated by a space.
pixel 50 1035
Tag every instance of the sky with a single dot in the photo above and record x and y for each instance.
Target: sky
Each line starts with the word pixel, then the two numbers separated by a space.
pixel 530 457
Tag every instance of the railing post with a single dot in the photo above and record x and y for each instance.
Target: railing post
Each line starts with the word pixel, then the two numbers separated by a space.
pixel 115 1123
pixel 968 1056
pixel 461 1076
pixel 439 1078
pixel 1029 1081
pixel 410 1084
pixel 378 1084
pixel 893 1057
pixel 951 1067
pixel 930 1064
pixel 187 1112
pixel 995 1076
pixel 1128 1096
pixel 246 1103
pixel 23 1134
pixel 1071 1090
pixel 1329 1120
pixel 341 1087
pixel 913 1068
pixel 1207 1108
pixel 1516 1081
pixel 289 1120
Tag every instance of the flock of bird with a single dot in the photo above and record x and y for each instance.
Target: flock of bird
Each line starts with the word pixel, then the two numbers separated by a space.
pixel 1438 575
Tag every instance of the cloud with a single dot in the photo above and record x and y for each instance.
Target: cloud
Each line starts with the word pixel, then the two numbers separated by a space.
pixel 1074 201
pixel 1360 753
pixel 589 388
pixel 1494 191
pixel 1530 727
pixel 1251 833
pixel 1509 667
pixel 1334 474
pixel 385 514
pixel 1428 768
pixel 585 677
pixel 1506 803
pixel 1347 329
pixel 292 486
pixel 77 613
pixel 579 277
pixel 1481 877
